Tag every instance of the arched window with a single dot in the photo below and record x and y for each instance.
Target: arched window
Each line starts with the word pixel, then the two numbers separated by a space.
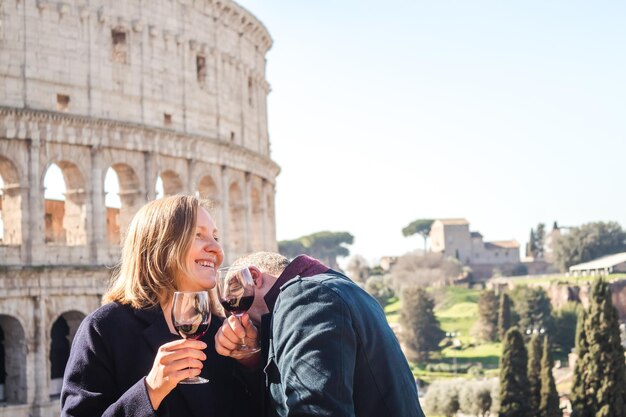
pixel 61 336
pixel 65 205
pixel 208 190
pixel 59 354
pixel 54 196
pixel 14 361
pixel 123 198
pixel 112 203
pixel 172 184
pixel 158 188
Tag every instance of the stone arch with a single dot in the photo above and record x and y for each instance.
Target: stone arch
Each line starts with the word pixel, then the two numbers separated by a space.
pixel 208 189
pixel 236 221
pixel 61 336
pixel 10 203
pixel 172 183
pixel 130 196
pixel 257 236
pixel 13 361
pixel 65 221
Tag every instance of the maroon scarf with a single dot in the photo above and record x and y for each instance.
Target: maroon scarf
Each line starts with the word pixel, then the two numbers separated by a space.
pixel 301 266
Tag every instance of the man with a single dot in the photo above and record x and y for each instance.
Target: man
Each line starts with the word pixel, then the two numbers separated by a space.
pixel 326 344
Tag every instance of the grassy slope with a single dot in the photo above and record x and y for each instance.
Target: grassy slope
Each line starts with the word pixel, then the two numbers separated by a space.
pixel 457 311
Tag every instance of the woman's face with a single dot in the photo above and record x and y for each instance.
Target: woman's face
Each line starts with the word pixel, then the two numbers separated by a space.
pixel 204 256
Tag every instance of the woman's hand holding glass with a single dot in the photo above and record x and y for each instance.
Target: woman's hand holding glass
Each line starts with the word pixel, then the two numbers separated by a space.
pixel 174 362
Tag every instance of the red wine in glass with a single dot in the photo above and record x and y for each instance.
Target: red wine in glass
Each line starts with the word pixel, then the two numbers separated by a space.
pixel 192 331
pixel 235 289
pixel 237 306
pixel 191 316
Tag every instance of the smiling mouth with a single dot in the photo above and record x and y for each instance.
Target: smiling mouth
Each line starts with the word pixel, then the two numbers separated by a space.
pixel 206 264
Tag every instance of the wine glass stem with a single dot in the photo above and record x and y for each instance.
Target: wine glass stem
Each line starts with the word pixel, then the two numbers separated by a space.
pixel 243 339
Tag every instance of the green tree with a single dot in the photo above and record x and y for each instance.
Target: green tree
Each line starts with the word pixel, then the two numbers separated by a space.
pixel 540 236
pixel 605 376
pixel 565 320
pixel 504 315
pixel 325 246
pixel 588 242
pixel 514 390
pixel 487 325
pixel 531 249
pixel 534 309
pixel 420 328
pixel 291 248
pixel 420 227
pixel 581 402
pixel 535 246
pixel 534 373
pixel 377 286
pixel 549 405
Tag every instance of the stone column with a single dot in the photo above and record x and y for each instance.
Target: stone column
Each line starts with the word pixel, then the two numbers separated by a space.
pixel 248 213
pixel 271 216
pixel 97 238
pixel 33 235
pixel 131 202
pixel 264 216
pixel 41 362
pixel 75 218
pixel 13 207
pixel 190 183
pixel 225 222
pixel 149 177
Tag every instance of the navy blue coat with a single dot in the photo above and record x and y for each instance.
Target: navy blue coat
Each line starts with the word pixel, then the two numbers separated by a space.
pixel 330 352
pixel 114 350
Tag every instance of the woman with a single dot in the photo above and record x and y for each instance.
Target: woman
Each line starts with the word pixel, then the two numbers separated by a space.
pixel 127 359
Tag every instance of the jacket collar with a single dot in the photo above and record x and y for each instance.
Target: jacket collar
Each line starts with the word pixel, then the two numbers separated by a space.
pixel 300 266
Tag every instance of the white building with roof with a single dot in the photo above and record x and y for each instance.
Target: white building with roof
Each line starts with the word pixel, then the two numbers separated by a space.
pixel 602 266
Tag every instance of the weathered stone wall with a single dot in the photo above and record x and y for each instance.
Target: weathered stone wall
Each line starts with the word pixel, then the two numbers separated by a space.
pixel 170 89
pixel 560 293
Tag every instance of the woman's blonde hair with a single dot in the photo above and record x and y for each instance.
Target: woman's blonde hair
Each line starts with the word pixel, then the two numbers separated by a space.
pixel 154 252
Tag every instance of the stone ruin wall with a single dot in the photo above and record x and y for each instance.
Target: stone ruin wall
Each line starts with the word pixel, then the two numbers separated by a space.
pixel 169 89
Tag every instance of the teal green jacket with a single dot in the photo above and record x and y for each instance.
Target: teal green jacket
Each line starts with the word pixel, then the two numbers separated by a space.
pixel 331 352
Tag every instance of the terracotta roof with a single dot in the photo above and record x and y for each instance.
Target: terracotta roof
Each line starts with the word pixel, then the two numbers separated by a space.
pixel 453 222
pixel 502 244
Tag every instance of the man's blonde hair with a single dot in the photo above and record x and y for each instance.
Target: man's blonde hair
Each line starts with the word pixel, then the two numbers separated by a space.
pixel 154 252
pixel 271 263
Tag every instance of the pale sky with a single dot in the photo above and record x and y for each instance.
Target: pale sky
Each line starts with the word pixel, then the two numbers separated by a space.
pixel 507 113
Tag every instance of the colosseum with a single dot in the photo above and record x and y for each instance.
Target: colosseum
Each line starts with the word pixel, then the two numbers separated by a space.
pixel 168 92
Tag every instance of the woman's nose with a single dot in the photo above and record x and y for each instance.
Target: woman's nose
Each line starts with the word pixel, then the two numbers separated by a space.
pixel 212 245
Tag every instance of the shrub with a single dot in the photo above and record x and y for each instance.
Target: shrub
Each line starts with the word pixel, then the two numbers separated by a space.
pixel 442 397
pixel 377 286
pixel 473 397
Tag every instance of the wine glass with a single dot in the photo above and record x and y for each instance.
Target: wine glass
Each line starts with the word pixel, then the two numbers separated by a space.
pixel 235 290
pixel 191 316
